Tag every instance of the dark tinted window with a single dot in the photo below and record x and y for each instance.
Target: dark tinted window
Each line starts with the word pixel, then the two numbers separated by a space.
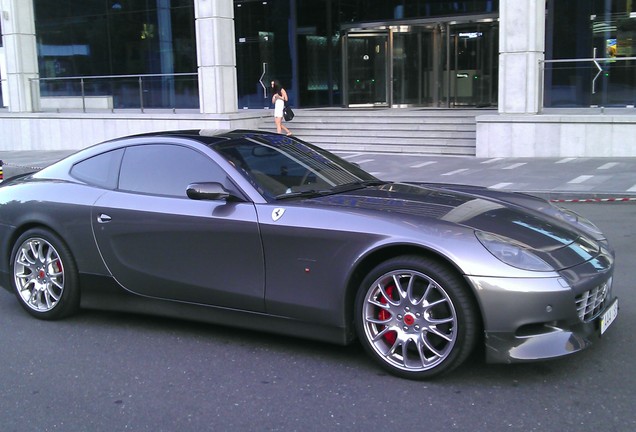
pixel 164 169
pixel 99 170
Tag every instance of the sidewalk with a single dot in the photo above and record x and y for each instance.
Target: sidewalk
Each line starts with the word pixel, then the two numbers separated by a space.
pixel 557 179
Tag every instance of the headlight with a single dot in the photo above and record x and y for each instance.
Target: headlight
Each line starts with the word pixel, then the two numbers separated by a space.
pixel 512 253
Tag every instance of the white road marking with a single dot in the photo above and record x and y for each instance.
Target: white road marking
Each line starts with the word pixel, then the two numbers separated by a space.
pixel 500 186
pixel 491 160
pixel 632 189
pixel 580 179
pixel 352 155
pixel 423 164
pixel 455 172
pixel 566 160
pixel 608 166
pixel 513 166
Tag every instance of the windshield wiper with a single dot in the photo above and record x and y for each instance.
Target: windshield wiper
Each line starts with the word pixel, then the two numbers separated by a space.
pixel 303 194
pixel 346 187
pixel 357 185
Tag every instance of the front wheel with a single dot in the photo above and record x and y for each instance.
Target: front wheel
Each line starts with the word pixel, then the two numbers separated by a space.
pixel 44 275
pixel 416 317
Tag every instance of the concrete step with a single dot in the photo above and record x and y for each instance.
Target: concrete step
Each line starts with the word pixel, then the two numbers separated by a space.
pixel 404 119
pixel 404 140
pixel 416 130
pixel 368 125
pixel 395 112
pixel 348 131
pixel 415 150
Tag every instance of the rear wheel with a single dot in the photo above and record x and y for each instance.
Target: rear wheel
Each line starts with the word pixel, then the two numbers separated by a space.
pixel 44 275
pixel 416 317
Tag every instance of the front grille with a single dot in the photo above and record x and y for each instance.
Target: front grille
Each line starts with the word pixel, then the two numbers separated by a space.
pixel 590 304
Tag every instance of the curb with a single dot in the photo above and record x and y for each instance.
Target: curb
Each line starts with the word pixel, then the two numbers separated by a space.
pixel 592 200
pixel 581 197
pixel 12 165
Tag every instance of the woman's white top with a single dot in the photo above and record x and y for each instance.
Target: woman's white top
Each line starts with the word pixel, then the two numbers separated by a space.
pixel 278 107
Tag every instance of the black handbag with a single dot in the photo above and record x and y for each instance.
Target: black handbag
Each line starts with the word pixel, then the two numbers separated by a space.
pixel 288 113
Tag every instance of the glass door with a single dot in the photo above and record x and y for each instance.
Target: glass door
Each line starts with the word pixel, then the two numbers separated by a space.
pixel 416 66
pixel 431 65
pixel 366 69
pixel 256 35
pixel 472 66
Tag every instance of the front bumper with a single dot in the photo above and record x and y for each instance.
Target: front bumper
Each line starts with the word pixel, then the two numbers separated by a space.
pixel 550 341
pixel 539 318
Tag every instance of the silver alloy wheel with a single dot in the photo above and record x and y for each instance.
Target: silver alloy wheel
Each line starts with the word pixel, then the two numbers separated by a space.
pixel 409 320
pixel 38 272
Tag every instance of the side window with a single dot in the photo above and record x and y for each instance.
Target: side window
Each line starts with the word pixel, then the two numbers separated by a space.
pixel 100 170
pixel 164 169
pixel 270 169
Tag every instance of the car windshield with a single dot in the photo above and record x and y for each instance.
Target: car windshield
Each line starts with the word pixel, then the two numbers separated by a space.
pixel 282 167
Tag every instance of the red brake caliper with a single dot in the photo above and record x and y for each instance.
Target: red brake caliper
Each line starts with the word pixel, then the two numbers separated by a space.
pixel 389 337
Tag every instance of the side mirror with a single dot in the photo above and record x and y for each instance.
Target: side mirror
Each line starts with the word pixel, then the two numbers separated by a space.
pixel 207 191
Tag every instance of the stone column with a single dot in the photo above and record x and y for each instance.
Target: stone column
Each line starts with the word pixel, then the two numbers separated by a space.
pixel 521 47
pixel 18 38
pixel 216 56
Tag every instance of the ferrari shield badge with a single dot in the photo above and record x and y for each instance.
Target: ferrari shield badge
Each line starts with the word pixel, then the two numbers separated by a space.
pixel 277 213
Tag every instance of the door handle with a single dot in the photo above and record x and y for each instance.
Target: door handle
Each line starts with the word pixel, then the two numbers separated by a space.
pixel 103 218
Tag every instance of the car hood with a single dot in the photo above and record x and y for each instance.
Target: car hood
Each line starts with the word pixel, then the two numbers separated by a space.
pixel 553 240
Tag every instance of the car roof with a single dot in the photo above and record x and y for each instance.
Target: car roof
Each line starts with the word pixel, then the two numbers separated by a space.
pixel 206 136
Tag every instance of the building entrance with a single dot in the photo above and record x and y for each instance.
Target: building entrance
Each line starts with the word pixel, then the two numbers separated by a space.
pixel 367 63
pixel 431 65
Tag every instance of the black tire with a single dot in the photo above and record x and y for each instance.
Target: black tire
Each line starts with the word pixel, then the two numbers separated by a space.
pixel 44 275
pixel 416 317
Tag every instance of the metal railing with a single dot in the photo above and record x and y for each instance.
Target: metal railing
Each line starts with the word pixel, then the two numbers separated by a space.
pixel 588 82
pixel 110 92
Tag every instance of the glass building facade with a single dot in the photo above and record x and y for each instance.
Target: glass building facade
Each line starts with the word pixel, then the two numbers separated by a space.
pixel 362 53
pixel 355 53
pixel 602 35
pixel 2 78
pixel 96 38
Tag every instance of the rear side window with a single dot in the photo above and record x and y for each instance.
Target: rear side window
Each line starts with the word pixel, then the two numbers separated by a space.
pixel 165 169
pixel 100 170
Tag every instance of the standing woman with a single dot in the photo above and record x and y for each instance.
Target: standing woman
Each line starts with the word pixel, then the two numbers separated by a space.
pixel 279 98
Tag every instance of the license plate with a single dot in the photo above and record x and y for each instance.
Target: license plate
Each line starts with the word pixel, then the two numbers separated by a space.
pixel 609 316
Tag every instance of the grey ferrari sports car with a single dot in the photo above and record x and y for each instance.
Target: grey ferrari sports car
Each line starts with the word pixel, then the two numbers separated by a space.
pixel 267 232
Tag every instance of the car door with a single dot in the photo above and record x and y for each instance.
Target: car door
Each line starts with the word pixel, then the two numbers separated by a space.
pixel 157 242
